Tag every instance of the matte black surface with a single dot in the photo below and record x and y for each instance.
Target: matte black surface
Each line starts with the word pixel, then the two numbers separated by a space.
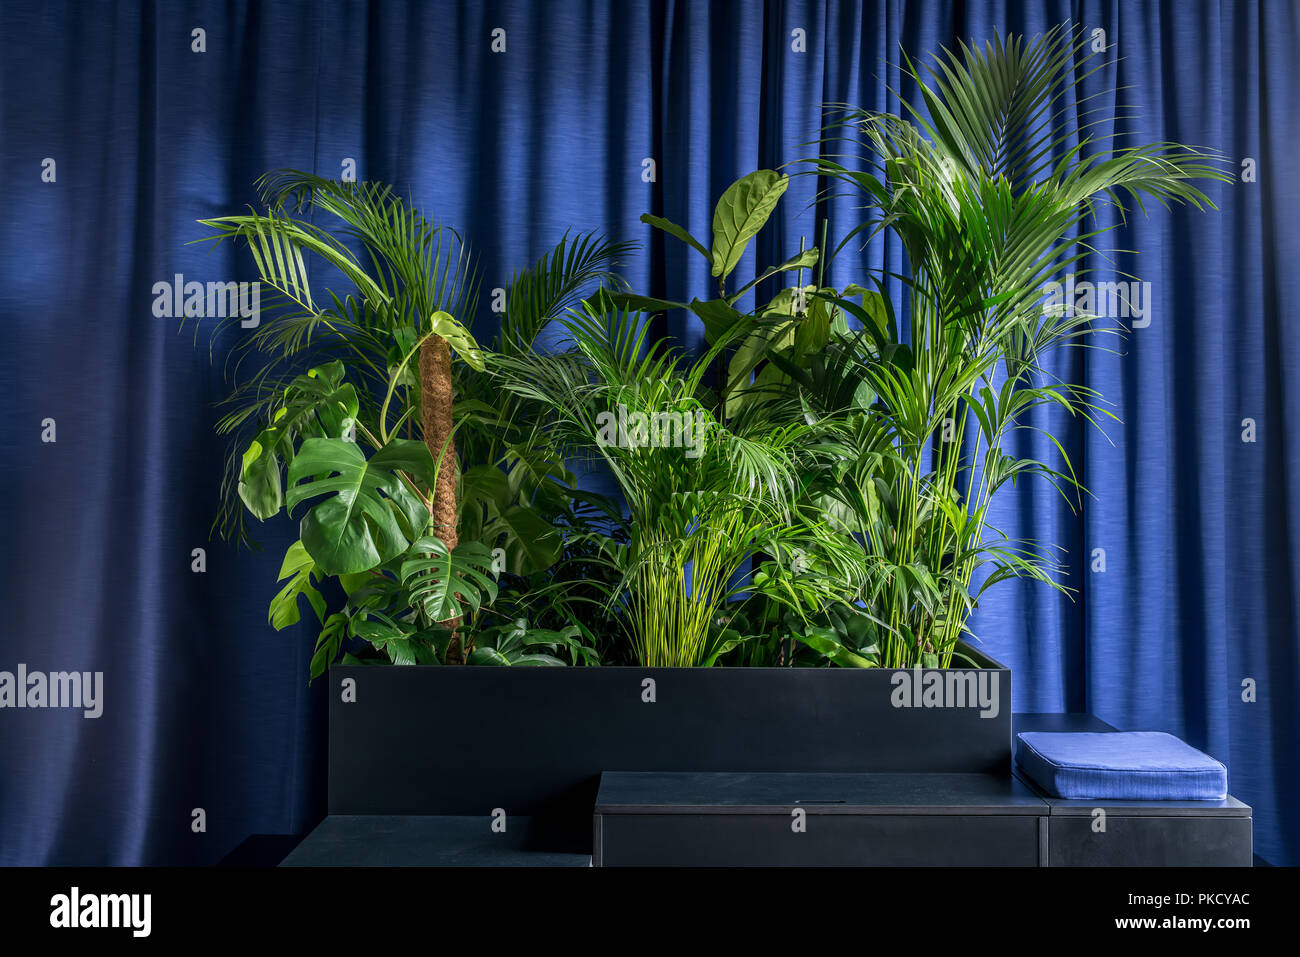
pixel 1045 721
pixel 261 850
pixel 828 793
pixel 538 738
pixel 1189 840
pixel 843 840
pixel 729 819
pixel 428 841
pixel 699 819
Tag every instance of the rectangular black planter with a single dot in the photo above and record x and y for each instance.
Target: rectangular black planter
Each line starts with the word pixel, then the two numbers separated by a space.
pixel 534 741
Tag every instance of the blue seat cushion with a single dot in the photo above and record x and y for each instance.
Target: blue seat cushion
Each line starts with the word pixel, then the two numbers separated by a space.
pixel 1120 765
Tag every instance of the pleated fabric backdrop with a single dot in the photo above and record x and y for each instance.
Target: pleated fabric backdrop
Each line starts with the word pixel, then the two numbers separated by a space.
pixel 118 133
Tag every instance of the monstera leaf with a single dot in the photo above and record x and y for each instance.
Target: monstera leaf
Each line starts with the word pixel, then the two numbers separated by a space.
pixel 517 644
pixel 458 338
pixel 300 569
pixel 356 527
pixel 441 582
pixel 402 641
pixel 318 404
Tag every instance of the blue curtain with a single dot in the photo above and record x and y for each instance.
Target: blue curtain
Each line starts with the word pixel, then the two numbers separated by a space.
pixel 119 134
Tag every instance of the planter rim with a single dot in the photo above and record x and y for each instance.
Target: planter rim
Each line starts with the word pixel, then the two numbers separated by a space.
pixel 989 663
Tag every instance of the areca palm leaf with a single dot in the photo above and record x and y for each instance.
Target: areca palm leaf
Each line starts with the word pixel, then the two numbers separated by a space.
pixel 409 256
pixel 697 513
pixel 555 283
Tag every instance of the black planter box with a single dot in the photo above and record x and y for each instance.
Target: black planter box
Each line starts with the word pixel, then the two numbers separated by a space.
pixel 534 741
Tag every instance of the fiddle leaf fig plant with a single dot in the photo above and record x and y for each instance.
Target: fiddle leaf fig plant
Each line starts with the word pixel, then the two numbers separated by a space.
pixel 741 212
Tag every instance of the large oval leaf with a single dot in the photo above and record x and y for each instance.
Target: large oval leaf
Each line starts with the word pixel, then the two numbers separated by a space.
pixel 532 544
pixel 741 213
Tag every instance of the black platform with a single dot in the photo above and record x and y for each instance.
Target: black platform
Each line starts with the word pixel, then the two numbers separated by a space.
pixel 710 819
pixel 804 817
pixel 1138 833
pixel 408 840
pixel 543 736
pixel 906 819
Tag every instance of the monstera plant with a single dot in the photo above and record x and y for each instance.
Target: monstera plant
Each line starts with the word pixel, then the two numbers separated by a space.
pixel 362 445
pixel 359 445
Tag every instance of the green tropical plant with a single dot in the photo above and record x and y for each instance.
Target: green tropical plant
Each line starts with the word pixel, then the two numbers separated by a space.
pixel 520 494
pixel 990 201
pixel 370 511
pixel 739 215
pixel 826 502
pixel 701 499
pixel 516 643
pixel 360 444
pixel 409 280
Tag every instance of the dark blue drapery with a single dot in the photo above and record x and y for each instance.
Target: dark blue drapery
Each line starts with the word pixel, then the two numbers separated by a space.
pixel 1195 506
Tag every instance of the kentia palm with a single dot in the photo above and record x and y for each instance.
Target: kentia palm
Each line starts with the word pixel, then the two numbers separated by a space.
pixel 518 493
pixel 990 201
pixel 701 499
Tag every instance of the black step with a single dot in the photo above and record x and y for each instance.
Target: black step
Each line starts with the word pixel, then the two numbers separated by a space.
pixel 410 840
pixel 818 819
